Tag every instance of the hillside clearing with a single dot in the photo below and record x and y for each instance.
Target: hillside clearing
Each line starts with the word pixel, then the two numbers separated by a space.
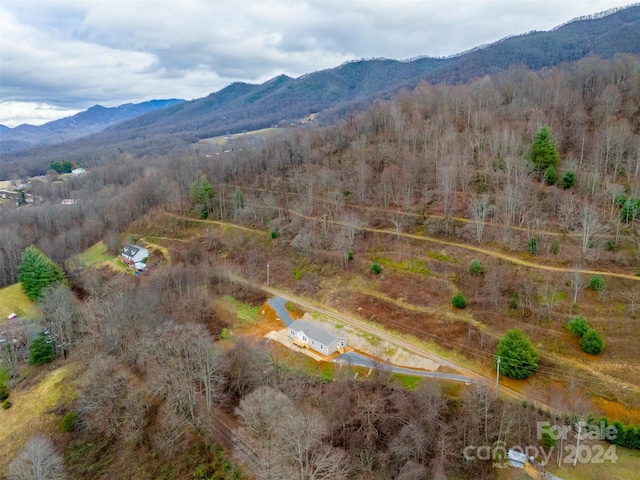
pixel 13 300
pixel 32 407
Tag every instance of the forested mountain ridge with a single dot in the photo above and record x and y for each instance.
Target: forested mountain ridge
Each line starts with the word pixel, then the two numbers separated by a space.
pixel 90 121
pixel 439 189
pixel 334 92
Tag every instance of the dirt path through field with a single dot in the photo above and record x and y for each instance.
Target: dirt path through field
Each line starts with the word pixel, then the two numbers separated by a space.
pixel 437 241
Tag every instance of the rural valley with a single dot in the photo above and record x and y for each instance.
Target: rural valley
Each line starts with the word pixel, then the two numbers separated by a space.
pixel 412 286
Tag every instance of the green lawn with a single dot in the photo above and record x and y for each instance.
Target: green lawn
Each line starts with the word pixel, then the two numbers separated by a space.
pixel 97 256
pixel 246 313
pixel 13 300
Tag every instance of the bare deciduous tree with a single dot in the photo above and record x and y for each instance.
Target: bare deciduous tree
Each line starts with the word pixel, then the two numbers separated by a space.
pixel 38 460
pixel 309 458
pixel 9 356
pixel 591 226
pixel 61 315
pixel 479 210
pixel 576 279
pixel 550 297
pixel 447 179
pixel 261 411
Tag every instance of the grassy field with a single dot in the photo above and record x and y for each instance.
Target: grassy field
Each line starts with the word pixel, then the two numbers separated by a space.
pixel 625 467
pixel 30 412
pixel 13 300
pixel 97 256
pixel 223 139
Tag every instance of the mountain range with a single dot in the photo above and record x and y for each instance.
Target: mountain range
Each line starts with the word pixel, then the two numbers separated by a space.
pixel 328 93
pixel 91 121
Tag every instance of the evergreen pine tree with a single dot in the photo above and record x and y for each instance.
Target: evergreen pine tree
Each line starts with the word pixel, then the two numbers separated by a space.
pixel 543 152
pixel 37 271
pixel 41 350
pixel 518 358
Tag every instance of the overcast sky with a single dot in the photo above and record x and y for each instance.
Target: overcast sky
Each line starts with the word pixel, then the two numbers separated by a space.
pixel 59 57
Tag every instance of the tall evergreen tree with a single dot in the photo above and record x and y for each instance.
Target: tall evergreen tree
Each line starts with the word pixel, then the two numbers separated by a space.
pixel 202 194
pixel 518 358
pixel 543 152
pixel 36 272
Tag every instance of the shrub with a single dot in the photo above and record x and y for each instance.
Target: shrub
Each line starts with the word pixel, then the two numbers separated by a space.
pixel 578 326
pixel 6 405
pixel 568 180
pixel 4 392
pixel 550 176
pixel 518 358
pixel 532 245
pixel 475 267
pixel 592 342
pixel 376 268
pixel 458 300
pixel 274 234
pixel 41 350
pixel 548 439
pixel 513 302
pixel 597 283
pixel 350 255
pixel 555 247
pixel 620 199
pixel 69 422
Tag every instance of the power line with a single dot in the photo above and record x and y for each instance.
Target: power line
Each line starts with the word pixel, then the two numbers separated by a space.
pixel 556 372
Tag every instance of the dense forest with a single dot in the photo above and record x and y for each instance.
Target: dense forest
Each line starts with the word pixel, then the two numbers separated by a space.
pixel 458 165
pixel 328 94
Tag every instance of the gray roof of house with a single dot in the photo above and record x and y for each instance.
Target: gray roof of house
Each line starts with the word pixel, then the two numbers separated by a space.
pixel 131 250
pixel 314 332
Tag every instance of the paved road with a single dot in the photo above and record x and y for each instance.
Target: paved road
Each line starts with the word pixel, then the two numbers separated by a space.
pixel 278 304
pixel 390 338
pixel 354 358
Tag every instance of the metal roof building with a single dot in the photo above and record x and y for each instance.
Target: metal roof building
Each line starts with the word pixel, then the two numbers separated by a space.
pixel 308 335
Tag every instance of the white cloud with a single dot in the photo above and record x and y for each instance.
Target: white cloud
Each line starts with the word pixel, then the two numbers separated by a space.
pixel 73 54
pixel 13 114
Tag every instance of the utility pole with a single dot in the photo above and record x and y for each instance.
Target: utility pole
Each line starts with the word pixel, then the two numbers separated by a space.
pixel 497 374
pixel 267 274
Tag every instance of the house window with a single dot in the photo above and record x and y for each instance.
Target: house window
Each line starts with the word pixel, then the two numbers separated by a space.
pixel 304 338
pixel 293 333
pixel 313 342
pixel 321 347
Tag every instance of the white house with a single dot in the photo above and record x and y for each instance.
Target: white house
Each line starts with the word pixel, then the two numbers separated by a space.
pixel 135 255
pixel 78 171
pixel 307 335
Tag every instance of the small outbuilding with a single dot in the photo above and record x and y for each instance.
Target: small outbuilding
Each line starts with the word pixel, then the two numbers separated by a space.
pixel 133 255
pixel 307 335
